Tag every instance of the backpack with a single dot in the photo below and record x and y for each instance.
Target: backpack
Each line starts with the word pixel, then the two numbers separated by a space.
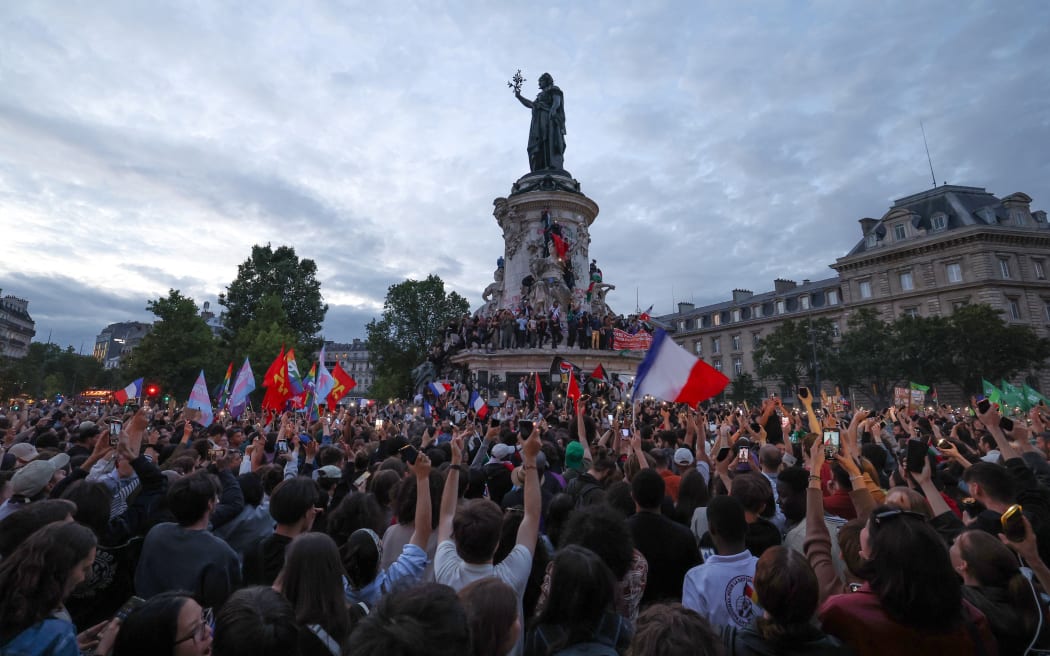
pixel 583 492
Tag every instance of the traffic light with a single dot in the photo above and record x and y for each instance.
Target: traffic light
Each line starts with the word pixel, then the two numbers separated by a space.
pixel 152 390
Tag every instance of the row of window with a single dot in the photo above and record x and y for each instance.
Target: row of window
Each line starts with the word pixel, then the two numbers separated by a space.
pixel 953 274
pixel 939 222
pixel 778 307
pixel 735 341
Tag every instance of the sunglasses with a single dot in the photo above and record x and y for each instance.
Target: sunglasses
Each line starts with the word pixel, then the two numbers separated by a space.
pixel 887 515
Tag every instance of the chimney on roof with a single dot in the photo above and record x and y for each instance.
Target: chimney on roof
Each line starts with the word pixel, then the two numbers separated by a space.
pixel 684 307
pixel 742 295
pixel 867 225
pixel 781 285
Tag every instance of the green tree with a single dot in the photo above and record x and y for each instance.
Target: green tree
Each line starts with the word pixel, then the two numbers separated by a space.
pixel 983 345
pixel 867 357
pixel 414 314
pixel 177 348
pixel 923 349
pixel 276 273
pixel 48 370
pixel 787 354
pixel 744 388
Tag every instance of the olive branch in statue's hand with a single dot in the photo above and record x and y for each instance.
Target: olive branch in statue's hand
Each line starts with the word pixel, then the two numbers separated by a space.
pixel 516 82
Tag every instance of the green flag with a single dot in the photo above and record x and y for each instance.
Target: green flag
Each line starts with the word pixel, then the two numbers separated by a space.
pixel 920 388
pixel 1033 397
pixel 1013 397
pixel 991 392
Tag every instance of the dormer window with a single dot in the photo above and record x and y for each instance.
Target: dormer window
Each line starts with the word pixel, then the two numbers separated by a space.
pixel 938 222
pixel 871 240
pixel 805 302
pixel 899 232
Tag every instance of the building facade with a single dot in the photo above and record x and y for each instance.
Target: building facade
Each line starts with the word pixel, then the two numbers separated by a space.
pixel 117 340
pixel 353 358
pixel 17 328
pixel 930 254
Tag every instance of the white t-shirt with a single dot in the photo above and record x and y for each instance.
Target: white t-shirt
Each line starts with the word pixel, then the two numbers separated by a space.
pixel 514 570
pixel 720 590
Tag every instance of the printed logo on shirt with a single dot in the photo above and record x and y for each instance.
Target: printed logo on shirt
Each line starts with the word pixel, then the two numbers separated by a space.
pixel 738 603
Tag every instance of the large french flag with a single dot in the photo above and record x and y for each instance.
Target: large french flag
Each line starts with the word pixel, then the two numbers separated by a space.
pixel 481 409
pixel 671 373
pixel 132 391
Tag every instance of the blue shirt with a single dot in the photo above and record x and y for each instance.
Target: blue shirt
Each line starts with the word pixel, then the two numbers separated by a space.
pixel 406 571
pixel 49 637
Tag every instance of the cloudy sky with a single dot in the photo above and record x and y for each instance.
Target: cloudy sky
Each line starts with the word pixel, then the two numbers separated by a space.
pixel 147 145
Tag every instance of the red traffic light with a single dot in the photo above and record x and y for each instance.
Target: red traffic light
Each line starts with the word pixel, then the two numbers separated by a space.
pixel 152 390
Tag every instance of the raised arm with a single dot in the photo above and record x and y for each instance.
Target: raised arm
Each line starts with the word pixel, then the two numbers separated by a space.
pixel 450 495
pixel 581 433
pixel 422 529
pixel 530 524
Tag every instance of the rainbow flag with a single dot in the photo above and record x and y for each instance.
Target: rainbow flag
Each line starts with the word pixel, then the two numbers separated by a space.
pixel 224 395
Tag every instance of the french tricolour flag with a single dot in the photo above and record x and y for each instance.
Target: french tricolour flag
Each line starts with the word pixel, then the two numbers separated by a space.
pixel 439 387
pixel 671 373
pixel 132 391
pixel 480 407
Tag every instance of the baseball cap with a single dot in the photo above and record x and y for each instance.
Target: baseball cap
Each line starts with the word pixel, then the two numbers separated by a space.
pixel 502 451
pixel 683 456
pixel 23 453
pixel 330 472
pixel 34 477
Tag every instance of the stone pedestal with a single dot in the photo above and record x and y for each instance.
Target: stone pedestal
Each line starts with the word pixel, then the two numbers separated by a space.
pixel 532 272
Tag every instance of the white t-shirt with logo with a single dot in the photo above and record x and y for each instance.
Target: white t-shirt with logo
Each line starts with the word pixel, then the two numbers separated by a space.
pixel 720 589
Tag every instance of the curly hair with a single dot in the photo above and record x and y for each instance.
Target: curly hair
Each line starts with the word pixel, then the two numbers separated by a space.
pixel 33 580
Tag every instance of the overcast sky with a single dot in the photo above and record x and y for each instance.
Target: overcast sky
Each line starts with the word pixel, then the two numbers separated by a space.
pixel 147 145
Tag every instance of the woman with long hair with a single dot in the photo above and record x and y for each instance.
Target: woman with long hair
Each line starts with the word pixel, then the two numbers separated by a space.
pixel 692 494
pixel 312 580
pixel 993 582
pixel 35 581
pixel 171 623
pixel 581 607
pixel 788 593
pixel 912 602
pixel 492 611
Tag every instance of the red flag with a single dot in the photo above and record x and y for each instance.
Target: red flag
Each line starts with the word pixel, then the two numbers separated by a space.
pixel 599 373
pixel 561 247
pixel 276 383
pixel 344 382
pixel 538 394
pixel 574 390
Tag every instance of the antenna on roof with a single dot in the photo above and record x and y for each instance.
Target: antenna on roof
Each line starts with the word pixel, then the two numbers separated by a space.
pixel 928 158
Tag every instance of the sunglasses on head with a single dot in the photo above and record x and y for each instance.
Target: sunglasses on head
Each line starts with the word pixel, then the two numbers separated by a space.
pixel 887 515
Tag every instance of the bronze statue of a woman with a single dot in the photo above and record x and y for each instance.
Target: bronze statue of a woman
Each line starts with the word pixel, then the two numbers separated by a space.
pixel 547 132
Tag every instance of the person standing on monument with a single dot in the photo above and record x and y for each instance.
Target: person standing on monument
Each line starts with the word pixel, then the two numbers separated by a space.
pixel 547 133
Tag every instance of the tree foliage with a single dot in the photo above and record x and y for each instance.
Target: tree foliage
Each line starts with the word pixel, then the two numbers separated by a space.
pixel 178 347
pixel 48 370
pixel 414 314
pixel 787 354
pixel 984 345
pixel 280 274
pixel 744 388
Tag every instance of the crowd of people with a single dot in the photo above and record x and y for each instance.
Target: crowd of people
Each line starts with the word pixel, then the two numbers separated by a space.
pixel 530 327
pixel 650 530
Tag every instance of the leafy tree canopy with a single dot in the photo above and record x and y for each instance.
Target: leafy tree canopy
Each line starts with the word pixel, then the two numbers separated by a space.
pixel 415 313
pixel 280 274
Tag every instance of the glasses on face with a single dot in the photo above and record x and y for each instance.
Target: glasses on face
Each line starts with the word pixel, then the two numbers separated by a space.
pixel 887 515
pixel 200 632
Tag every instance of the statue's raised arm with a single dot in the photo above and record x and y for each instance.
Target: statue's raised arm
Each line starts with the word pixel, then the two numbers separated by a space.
pixel 547 132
